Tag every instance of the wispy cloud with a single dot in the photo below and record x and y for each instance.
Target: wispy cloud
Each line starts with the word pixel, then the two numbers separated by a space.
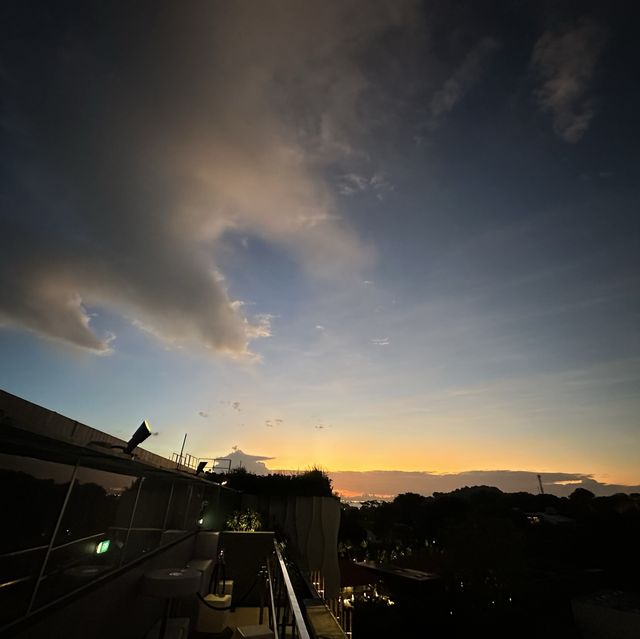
pixel 352 183
pixel 565 62
pixel 465 77
pixel 380 341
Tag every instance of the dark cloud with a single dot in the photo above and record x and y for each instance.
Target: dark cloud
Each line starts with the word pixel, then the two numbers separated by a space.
pixel 139 136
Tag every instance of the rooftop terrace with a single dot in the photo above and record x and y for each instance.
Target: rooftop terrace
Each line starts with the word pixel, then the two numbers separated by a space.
pixel 87 527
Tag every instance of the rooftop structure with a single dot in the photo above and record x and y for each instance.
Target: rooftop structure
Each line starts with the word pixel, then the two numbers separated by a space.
pixel 99 542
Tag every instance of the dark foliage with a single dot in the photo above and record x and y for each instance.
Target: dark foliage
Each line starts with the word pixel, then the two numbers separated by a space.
pixel 503 558
pixel 312 483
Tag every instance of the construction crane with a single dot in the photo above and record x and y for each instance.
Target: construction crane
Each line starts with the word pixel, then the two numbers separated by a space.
pixel 540 484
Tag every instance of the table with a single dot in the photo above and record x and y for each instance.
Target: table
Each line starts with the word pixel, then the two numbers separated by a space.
pixel 169 584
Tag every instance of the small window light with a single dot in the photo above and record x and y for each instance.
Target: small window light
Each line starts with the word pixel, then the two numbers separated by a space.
pixel 102 546
pixel 200 521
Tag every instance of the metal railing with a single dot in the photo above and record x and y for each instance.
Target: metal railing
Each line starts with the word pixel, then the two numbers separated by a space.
pixel 120 554
pixel 184 460
pixel 188 461
pixel 340 607
pixel 285 614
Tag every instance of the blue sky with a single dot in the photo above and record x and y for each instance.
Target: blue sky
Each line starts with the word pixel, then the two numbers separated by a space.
pixel 363 235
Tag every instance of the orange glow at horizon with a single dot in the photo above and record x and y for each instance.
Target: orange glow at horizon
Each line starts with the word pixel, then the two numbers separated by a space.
pixel 447 457
pixel 441 444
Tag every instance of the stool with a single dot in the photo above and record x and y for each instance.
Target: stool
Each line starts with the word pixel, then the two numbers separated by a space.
pixel 253 632
pixel 205 566
pixel 228 587
pixel 214 620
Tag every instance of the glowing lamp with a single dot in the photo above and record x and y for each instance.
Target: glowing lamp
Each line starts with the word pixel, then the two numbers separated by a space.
pixel 102 546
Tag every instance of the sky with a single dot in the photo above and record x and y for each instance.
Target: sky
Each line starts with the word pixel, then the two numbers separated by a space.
pixel 361 235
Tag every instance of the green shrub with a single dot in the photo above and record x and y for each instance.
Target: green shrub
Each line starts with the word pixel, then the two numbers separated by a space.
pixel 244 521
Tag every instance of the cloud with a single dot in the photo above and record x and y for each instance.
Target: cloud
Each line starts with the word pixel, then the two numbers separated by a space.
pixel 394 482
pixel 380 341
pixel 565 62
pixel 352 183
pixel 463 78
pixel 136 152
pixel 260 326
pixel 380 184
pixel 253 463
pixel 203 414
pixel 236 406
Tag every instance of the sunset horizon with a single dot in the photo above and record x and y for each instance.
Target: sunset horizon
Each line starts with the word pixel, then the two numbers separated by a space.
pixel 361 236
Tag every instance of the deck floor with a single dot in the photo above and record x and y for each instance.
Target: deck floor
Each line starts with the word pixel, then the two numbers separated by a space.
pixel 241 616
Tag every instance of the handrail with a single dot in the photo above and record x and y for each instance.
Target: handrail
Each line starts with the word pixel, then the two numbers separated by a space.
pixel 298 619
pixel 272 603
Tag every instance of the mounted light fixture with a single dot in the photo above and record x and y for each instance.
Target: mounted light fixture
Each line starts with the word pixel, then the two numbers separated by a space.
pixel 201 466
pixel 144 431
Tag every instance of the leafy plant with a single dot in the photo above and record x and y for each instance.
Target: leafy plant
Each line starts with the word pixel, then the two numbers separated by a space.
pixel 244 521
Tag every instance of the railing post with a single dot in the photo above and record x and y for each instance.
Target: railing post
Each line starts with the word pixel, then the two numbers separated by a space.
pixel 133 514
pixel 54 534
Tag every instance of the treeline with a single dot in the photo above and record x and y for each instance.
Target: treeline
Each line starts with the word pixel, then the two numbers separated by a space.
pixel 509 564
pixel 311 483
pixel 481 531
